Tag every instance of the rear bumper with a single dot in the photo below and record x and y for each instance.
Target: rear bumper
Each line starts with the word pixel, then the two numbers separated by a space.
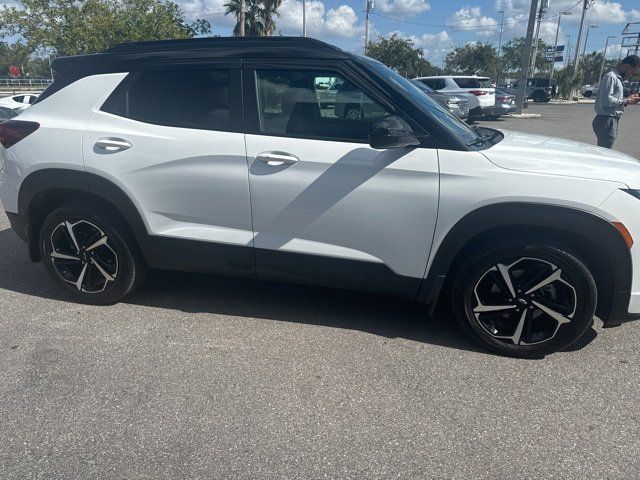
pixel 481 111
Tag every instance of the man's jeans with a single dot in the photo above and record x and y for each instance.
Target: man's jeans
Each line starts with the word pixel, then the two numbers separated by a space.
pixel 606 129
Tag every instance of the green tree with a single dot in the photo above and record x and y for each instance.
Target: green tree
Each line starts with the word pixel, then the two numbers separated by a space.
pixel 590 65
pixel 401 55
pixel 567 82
pixel 73 27
pixel 473 58
pixel 512 57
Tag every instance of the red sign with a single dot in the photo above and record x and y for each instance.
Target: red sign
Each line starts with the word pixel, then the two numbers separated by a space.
pixel 13 70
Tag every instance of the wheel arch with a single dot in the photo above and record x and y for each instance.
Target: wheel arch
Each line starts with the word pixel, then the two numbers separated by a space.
pixel 44 190
pixel 592 238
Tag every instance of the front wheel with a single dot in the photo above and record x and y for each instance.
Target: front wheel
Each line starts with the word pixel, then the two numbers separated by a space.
pixel 524 300
pixel 90 254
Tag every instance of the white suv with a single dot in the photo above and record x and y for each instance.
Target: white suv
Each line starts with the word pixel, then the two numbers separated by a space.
pixel 481 104
pixel 116 170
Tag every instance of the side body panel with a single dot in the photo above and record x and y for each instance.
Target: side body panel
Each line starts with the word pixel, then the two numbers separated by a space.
pixel 186 183
pixel 346 200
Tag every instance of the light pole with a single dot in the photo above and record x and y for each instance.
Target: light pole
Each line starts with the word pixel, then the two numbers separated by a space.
pixel 500 47
pixel 604 56
pixel 304 18
pixel 586 40
pixel 555 44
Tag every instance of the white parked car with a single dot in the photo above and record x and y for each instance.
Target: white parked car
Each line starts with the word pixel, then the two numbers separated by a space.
pixel 21 100
pixel 483 101
pixel 116 170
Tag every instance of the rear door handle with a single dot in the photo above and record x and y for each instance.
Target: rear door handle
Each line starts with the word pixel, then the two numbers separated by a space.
pixel 277 159
pixel 112 145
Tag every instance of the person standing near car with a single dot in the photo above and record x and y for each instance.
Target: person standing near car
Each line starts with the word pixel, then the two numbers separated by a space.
pixel 610 101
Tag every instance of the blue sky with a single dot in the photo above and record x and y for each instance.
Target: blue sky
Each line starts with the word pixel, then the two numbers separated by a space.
pixel 434 25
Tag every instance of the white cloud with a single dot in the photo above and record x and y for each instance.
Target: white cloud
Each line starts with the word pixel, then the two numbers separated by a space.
pixel 613 51
pixel 471 18
pixel 403 7
pixel 339 22
pixel 607 12
pixel 212 10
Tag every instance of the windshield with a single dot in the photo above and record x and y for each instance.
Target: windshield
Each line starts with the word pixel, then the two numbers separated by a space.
pixel 421 100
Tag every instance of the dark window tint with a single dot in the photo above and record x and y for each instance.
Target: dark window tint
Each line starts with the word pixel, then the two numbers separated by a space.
pixel 314 104
pixel 435 83
pixel 176 98
pixel 472 82
pixel 19 98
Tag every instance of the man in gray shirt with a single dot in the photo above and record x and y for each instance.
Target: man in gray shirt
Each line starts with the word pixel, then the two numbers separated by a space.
pixel 610 101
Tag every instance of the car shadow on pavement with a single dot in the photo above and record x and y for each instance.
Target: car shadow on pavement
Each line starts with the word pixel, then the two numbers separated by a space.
pixel 381 315
pixel 197 293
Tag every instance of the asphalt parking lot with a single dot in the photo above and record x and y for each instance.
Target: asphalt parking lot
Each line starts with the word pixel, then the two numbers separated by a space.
pixel 208 377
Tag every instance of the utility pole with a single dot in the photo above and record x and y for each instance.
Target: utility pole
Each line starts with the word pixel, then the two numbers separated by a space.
pixel 555 44
pixel 604 56
pixel 500 48
pixel 568 53
pixel 526 57
pixel 544 7
pixel 304 18
pixel 241 19
pixel 366 25
pixel 576 62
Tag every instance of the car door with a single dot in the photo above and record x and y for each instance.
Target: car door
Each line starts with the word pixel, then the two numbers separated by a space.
pixel 171 138
pixel 326 207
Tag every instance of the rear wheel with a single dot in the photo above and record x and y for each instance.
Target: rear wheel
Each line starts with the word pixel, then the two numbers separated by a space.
pixel 90 254
pixel 524 301
pixel 353 112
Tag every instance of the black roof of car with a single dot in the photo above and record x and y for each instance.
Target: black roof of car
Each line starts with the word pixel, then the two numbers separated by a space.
pixel 125 56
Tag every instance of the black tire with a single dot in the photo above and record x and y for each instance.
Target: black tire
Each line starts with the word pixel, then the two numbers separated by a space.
pixel 481 283
pixel 588 94
pixel 118 258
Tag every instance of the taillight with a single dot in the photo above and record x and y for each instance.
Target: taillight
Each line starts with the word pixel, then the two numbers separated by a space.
pixel 502 99
pixel 478 93
pixel 12 131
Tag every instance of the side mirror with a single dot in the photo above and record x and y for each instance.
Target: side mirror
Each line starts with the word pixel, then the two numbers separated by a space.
pixel 391 132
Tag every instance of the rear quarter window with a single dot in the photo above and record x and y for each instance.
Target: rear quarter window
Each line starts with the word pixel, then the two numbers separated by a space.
pixel 198 98
pixel 472 82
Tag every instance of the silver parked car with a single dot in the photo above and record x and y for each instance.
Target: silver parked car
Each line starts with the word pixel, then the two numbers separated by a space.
pixel 457 104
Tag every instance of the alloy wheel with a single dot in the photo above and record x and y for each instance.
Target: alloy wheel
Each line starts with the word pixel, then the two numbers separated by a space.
pixel 523 301
pixel 81 254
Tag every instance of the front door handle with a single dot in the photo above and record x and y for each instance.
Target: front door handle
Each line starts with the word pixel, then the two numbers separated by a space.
pixel 277 159
pixel 112 145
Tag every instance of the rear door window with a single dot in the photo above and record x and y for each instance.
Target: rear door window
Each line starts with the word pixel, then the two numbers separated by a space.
pixel 198 98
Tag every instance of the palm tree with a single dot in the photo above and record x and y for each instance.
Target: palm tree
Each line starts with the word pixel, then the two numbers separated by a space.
pixel 270 11
pixel 254 18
